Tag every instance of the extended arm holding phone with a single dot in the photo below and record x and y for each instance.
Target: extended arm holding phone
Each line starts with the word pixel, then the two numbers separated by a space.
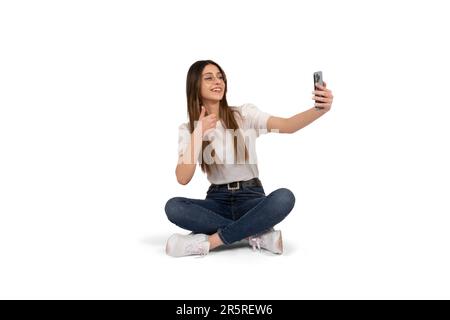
pixel 324 100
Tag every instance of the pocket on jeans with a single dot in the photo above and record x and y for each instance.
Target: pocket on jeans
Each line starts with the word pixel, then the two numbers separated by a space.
pixel 255 190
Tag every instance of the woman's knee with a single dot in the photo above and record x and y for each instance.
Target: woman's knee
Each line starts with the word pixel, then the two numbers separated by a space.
pixel 284 198
pixel 173 208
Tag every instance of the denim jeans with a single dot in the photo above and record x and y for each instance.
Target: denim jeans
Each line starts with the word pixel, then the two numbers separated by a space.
pixel 234 214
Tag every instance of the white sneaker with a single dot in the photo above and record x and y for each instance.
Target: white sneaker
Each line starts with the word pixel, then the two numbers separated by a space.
pixel 270 241
pixel 180 245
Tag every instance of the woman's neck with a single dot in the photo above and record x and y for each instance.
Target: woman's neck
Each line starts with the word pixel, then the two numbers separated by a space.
pixel 212 108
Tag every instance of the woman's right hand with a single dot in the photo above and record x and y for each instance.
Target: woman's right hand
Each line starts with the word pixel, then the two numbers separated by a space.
pixel 207 122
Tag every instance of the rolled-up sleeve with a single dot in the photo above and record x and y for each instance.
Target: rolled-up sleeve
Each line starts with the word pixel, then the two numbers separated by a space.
pixel 255 118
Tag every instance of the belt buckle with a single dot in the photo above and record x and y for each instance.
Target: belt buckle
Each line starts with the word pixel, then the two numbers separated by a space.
pixel 233 188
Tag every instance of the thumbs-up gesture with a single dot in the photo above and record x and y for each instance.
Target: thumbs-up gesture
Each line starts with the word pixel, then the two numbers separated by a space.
pixel 207 122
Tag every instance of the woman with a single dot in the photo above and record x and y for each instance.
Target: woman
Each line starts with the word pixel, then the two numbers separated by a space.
pixel 221 139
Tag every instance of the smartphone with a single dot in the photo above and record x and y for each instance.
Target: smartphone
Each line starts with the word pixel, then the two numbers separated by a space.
pixel 318 78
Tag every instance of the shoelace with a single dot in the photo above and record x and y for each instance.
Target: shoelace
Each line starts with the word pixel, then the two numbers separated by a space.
pixel 255 243
pixel 195 248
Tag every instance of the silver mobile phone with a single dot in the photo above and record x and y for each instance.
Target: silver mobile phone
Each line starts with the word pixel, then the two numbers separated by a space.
pixel 318 78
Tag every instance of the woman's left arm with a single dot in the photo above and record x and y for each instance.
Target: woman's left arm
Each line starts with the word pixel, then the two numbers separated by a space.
pixel 324 100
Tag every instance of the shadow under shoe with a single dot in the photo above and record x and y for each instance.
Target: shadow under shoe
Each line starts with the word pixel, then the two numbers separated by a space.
pixel 179 245
pixel 270 241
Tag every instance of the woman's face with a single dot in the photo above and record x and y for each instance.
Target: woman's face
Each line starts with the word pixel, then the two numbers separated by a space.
pixel 212 84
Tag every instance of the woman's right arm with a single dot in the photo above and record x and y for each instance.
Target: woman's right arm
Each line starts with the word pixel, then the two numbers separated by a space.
pixel 188 160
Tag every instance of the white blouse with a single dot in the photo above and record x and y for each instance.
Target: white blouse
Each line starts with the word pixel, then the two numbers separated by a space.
pixel 252 123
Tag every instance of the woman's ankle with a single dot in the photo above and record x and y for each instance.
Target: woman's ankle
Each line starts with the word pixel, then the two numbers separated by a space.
pixel 214 241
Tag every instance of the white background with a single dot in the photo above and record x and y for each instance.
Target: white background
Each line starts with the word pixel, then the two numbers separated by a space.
pixel 92 93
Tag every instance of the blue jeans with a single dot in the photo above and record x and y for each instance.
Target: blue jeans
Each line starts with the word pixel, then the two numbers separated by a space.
pixel 234 214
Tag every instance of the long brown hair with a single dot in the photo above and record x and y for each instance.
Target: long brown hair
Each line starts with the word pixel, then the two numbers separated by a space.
pixel 194 103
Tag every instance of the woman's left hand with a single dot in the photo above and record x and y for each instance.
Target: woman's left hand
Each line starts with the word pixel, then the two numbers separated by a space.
pixel 323 97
